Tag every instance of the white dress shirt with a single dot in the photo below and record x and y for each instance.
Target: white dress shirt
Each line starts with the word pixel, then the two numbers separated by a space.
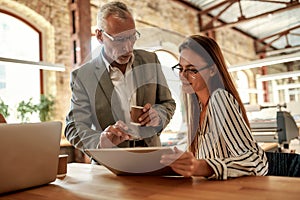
pixel 124 86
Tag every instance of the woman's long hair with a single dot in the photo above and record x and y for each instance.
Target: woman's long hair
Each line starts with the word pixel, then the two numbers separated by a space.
pixel 208 49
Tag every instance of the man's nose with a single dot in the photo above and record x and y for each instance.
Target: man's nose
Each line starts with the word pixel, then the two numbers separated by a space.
pixel 127 45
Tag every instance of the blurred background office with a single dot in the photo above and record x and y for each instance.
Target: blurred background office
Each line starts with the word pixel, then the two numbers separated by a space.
pixel 42 41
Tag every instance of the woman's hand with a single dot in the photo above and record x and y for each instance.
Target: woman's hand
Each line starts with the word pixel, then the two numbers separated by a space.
pixel 114 135
pixel 183 163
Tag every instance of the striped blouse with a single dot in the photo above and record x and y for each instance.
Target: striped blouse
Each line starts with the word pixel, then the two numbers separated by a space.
pixel 225 140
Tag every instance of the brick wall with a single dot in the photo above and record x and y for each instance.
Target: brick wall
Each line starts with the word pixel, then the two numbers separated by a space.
pixel 51 18
pixel 173 19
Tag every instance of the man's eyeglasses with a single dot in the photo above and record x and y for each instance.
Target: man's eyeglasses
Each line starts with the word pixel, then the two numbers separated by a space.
pixel 119 39
pixel 177 69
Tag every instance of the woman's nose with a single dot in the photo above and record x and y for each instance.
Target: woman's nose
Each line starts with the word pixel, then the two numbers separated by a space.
pixel 183 73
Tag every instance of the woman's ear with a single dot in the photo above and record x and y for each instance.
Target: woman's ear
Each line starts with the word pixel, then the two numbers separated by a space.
pixel 213 70
pixel 99 35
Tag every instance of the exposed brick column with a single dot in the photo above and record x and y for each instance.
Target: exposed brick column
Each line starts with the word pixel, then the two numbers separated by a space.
pixel 80 26
pixel 80 16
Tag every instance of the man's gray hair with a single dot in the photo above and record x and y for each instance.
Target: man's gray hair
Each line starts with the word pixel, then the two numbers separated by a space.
pixel 115 8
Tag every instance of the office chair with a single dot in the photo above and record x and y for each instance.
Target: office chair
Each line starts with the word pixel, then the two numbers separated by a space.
pixel 283 164
pixel 2 119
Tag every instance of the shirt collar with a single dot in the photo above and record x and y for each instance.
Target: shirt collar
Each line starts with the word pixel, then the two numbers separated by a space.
pixel 109 67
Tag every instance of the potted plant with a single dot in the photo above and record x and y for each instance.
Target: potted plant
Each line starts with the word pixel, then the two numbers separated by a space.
pixel 4 109
pixel 24 108
pixel 45 107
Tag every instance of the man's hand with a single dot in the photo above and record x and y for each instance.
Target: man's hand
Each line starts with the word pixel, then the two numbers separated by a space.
pixel 150 116
pixel 114 135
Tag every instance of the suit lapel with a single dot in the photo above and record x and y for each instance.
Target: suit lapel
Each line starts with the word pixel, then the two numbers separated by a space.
pixel 104 80
pixel 138 72
pixel 111 103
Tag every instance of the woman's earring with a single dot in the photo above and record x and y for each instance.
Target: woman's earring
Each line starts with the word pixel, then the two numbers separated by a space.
pixel 213 70
pixel 98 34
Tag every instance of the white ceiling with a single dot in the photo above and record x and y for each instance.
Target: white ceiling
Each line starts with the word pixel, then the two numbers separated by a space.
pixel 270 19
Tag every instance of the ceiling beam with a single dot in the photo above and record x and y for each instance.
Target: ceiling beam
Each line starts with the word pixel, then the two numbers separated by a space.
pixel 285 50
pixel 206 11
pixel 280 33
pixel 275 37
pixel 207 26
pixel 265 62
pixel 241 19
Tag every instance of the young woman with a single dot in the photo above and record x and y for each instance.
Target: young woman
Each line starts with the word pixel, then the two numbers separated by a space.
pixel 221 143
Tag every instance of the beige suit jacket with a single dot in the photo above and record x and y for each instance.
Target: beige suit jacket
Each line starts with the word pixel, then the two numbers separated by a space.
pixel 94 104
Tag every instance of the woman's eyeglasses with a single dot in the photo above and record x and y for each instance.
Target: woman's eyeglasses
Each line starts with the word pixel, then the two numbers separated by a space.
pixel 177 69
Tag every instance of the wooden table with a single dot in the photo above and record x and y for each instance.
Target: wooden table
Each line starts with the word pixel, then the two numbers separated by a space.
pixel 269 147
pixel 85 181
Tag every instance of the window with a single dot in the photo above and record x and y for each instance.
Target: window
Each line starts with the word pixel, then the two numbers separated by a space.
pixel 168 60
pixel 17 81
pixel 2 77
pixel 243 86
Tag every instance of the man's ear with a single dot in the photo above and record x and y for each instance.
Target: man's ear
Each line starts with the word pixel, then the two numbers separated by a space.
pixel 213 70
pixel 99 35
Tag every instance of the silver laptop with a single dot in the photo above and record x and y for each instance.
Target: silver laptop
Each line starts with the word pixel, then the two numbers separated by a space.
pixel 29 154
